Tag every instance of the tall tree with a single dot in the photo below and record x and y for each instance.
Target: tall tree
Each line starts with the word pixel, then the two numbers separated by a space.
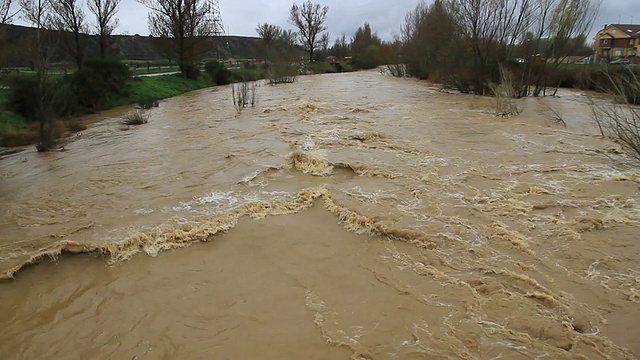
pixel 106 22
pixel 37 13
pixel 276 42
pixel 187 23
pixel 364 46
pixel 309 19
pixel 69 18
pixel 341 47
pixel 432 42
pixel 269 34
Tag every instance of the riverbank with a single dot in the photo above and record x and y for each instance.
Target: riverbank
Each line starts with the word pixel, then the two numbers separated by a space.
pixel 141 90
pixel 16 131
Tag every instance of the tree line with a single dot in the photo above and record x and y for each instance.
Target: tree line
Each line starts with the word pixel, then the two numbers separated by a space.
pixel 469 44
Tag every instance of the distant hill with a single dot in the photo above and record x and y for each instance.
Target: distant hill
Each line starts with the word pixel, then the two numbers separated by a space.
pixel 18 40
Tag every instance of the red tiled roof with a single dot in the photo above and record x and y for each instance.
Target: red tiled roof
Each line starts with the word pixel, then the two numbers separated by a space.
pixel 631 30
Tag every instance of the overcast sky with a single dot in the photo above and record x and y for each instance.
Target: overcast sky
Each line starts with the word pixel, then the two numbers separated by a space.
pixel 241 17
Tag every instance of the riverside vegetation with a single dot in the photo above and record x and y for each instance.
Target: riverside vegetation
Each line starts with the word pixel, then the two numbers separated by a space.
pixel 102 85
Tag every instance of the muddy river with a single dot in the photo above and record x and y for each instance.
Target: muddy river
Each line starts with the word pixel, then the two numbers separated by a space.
pixel 346 216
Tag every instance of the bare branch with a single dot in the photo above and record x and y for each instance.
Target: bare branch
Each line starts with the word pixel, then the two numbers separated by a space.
pixel 36 12
pixel 104 12
pixel 309 19
pixel 68 16
pixel 6 16
pixel 187 23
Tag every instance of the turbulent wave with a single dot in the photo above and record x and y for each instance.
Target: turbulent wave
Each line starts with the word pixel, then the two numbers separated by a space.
pixel 205 229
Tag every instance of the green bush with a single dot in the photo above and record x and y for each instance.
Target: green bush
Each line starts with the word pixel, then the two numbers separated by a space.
pixel 191 72
pixel 248 74
pixel 97 80
pixel 218 73
pixel 23 94
pixel 321 67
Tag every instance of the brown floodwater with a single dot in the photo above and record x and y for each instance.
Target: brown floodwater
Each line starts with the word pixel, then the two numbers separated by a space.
pixel 345 216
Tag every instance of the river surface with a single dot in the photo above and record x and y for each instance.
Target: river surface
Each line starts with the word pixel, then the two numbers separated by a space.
pixel 345 216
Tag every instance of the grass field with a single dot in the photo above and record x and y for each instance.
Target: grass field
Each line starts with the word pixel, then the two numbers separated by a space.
pixel 144 89
pixel 14 130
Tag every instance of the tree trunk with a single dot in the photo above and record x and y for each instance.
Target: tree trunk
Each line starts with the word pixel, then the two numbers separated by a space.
pixel 79 51
pixel 103 45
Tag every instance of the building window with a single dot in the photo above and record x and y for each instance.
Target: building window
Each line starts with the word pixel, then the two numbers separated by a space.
pixel 631 42
pixel 619 52
pixel 613 31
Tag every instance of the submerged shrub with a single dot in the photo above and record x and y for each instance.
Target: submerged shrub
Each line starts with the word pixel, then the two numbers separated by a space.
pixel 282 73
pixel 135 118
pixel 621 122
pixel 244 94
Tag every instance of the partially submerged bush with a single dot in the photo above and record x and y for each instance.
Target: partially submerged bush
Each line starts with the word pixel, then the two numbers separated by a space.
pixel 321 67
pixel 621 121
pixel 244 94
pixel 282 73
pixel 505 94
pixel 395 70
pixel 136 118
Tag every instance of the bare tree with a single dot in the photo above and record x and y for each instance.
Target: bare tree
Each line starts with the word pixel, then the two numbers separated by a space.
pixel 268 32
pixel 491 28
pixel 621 120
pixel 278 45
pixel 309 19
pixel 269 35
pixel 187 23
pixel 276 42
pixel 106 22
pixel 69 18
pixel 37 12
pixel 6 15
pixel 559 29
